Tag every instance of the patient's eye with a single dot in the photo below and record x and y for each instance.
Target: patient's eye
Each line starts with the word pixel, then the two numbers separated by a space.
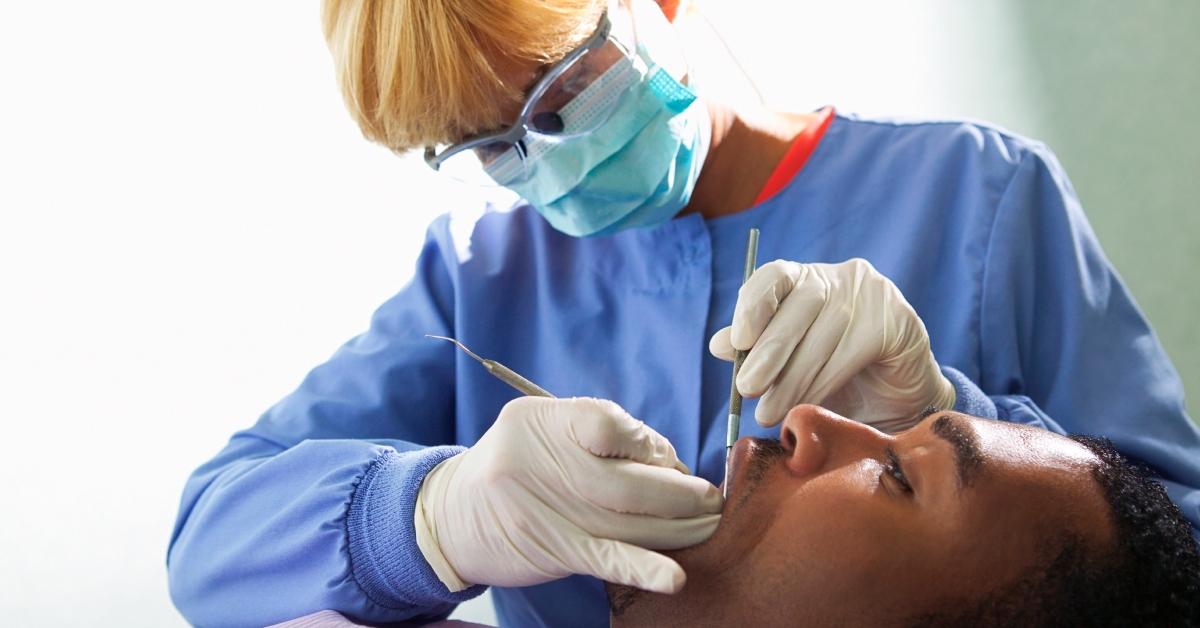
pixel 893 469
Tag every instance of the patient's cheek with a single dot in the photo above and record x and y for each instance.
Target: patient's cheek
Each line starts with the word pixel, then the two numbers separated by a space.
pixel 825 540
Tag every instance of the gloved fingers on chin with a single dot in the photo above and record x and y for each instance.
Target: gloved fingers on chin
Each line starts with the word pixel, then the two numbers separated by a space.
pixel 630 565
pixel 759 299
pixel 650 532
pixel 605 429
pixel 624 486
pixel 673 534
pixel 720 346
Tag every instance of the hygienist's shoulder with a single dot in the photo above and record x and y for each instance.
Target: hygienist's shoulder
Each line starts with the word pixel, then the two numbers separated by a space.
pixel 490 232
pixel 942 138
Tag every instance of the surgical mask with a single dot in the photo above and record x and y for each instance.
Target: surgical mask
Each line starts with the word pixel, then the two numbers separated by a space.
pixel 637 169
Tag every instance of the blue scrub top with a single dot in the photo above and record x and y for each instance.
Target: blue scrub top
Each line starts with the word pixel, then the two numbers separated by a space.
pixel 311 508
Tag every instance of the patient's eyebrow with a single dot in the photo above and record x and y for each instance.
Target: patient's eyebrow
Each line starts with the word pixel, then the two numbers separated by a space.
pixel 968 456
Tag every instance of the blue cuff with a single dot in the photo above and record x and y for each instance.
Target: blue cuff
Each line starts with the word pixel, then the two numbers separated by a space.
pixel 384 556
pixel 969 399
pixel 1022 409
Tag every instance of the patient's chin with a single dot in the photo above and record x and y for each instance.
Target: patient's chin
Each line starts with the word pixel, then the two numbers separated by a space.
pixel 621 598
pixel 753 460
pixel 747 508
pixel 630 607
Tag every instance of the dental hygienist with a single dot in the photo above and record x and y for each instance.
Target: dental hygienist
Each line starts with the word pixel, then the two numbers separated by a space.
pixel 400 478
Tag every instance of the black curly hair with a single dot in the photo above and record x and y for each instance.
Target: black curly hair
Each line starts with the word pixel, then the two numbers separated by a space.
pixel 1149 577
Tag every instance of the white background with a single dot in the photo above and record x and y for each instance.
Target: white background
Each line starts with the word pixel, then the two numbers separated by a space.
pixel 189 221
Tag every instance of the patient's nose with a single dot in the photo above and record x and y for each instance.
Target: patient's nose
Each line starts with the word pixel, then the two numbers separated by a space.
pixel 817 439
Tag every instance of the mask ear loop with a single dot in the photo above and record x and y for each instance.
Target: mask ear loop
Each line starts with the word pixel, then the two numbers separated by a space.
pixel 669 11
pixel 625 7
pixel 692 8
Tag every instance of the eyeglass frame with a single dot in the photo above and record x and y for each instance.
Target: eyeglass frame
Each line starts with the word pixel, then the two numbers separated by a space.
pixel 520 128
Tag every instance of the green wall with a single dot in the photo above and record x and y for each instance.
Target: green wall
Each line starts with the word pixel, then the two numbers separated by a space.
pixel 1117 86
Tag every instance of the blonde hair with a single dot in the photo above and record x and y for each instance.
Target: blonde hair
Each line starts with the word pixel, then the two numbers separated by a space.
pixel 422 72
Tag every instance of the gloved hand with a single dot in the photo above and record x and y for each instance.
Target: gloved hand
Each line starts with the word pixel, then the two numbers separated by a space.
pixel 563 486
pixel 839 335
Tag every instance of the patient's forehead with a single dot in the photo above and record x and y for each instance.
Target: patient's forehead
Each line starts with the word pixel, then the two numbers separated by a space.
pixel 1027 446
pixel 1033 475
pixel 991 455
pixel 1032 490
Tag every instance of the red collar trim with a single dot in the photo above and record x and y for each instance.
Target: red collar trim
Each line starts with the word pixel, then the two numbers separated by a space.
pixel 797 155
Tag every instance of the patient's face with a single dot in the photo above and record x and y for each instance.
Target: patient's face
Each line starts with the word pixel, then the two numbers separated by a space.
pixel 839 524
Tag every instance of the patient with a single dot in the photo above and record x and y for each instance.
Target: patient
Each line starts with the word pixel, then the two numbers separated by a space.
pixel 957 521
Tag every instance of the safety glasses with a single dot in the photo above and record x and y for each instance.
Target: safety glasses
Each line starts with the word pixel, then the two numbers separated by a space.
pixel 546 113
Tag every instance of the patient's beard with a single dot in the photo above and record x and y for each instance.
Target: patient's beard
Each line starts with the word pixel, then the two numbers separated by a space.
pixel 653 609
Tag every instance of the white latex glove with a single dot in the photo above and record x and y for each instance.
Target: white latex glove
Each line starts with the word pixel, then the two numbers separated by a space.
pixel 558 487
pixel 839 335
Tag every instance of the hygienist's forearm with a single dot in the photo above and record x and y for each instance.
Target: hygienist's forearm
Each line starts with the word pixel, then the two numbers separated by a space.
pixel 267 535
pixel 1063 345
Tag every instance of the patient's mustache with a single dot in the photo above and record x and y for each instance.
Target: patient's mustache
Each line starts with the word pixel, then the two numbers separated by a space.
pixel 765 453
